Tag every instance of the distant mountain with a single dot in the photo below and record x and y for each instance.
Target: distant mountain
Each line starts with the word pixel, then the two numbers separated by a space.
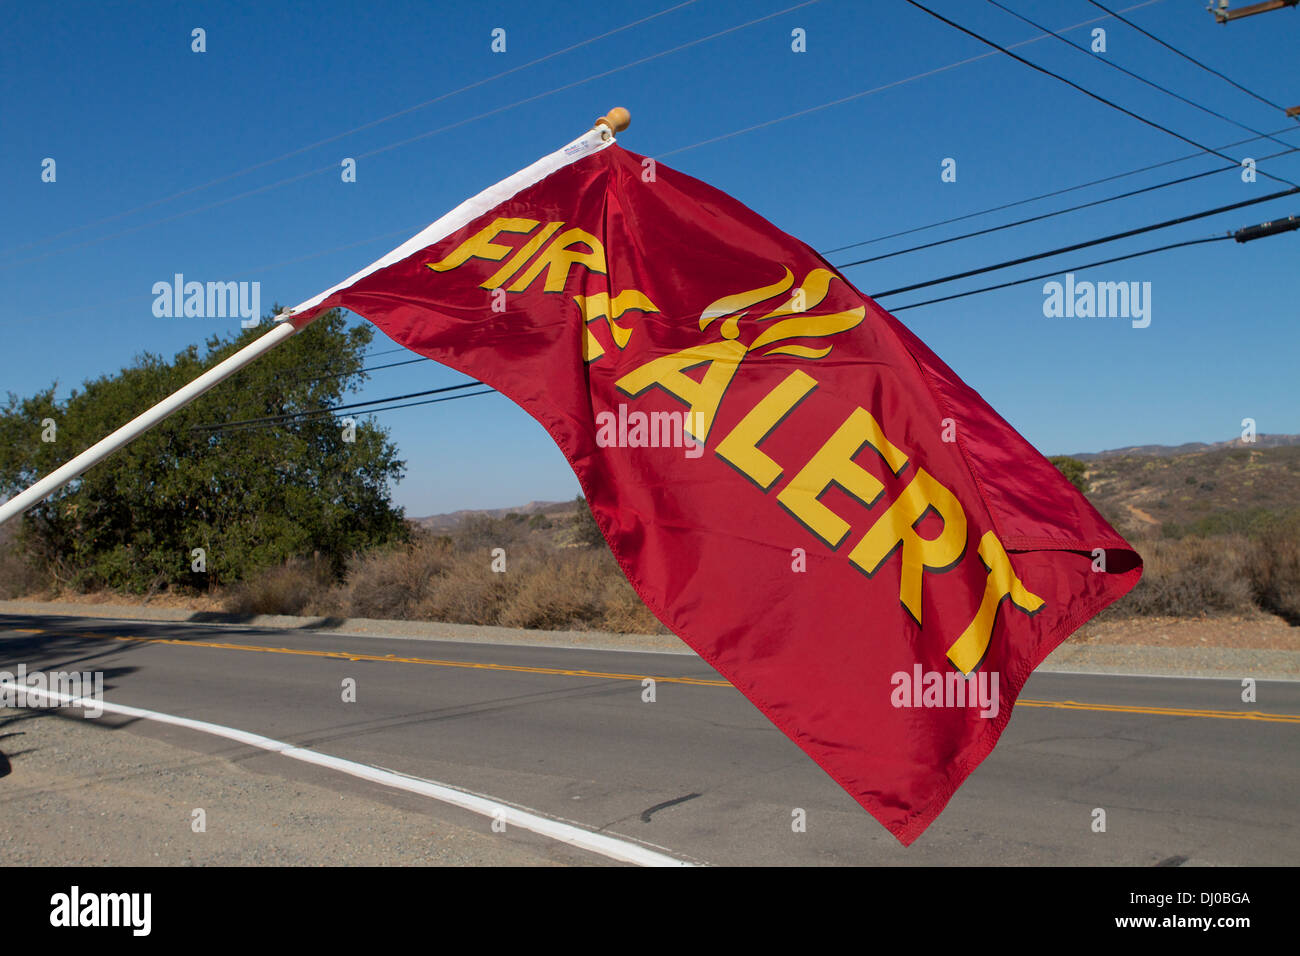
pixel 1165 451
pixel 448 522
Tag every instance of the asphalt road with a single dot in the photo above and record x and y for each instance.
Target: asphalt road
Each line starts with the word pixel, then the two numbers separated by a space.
pixel 700 772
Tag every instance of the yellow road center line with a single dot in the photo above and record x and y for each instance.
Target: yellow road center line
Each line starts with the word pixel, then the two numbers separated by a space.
pixel 694 681
pixel 393 659
pixel 1164 711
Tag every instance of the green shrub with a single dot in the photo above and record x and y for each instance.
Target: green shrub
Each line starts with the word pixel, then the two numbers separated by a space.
pixel 586 531
pixel 1073 469
pixel 250 497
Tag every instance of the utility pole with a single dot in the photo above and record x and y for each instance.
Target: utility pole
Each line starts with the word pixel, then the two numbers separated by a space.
pixel 1222 14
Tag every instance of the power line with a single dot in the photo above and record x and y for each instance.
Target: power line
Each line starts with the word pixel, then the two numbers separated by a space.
pixel 1142 79
pixel 1246 234
pixel 781 119
pixel 430 102
pixel 356 129
pixel 413 139
pixel 1084 90
pixel 738 132
pixel 1091 242
pixel 862 262
pixel 1061 212
pixel 369 368
pixel 432 401
pixel 680 149
pixel 1242 235
pixel 330 412
pixel 1133 232
pixel 399 348
pixel 888 86
pixel 1292 223
pixel 1054 192
pixel 323 365
pixel 335 408
pixel 827 252
pixel 1057 272
pixel 182 215
pixel 1006 264
pixel 961 275
pixel 253 271
pixel 1188 58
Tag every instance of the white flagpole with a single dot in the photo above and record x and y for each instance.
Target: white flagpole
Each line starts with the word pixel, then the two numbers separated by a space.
pixel 141 423
pixel 615 121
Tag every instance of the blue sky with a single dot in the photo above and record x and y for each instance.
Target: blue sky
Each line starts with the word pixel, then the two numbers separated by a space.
pixel 114 93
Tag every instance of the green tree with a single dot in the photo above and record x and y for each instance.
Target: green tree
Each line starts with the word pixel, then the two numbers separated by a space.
pixel 586 531
pixel 250 496
pixel 1073 469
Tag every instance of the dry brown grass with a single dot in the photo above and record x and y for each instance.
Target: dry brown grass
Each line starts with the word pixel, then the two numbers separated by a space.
pixel 469 591
pixel 1191 577
pixel 391 583
pixel 1221 574
pixel 1275 568
pixel 544 586
pixel 624 611
pixel 562 595
pixel 289 589
pixel 19 577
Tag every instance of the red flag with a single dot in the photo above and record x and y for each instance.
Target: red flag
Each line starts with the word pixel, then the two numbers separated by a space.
pixel 794 484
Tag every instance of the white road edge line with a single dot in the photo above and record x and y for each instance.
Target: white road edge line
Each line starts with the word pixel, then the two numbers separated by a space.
pixel 622 850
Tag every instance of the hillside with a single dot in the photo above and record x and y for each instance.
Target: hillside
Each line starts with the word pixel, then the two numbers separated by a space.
pixel 1213 490
pixel 1165 451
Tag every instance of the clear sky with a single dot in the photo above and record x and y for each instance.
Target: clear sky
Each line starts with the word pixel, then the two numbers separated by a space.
pixel 132 116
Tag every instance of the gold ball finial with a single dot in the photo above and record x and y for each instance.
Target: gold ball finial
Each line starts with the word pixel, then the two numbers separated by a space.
pixel 617 119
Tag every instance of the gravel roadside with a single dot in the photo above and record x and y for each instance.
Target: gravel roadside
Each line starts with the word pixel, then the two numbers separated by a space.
pixel 78 792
